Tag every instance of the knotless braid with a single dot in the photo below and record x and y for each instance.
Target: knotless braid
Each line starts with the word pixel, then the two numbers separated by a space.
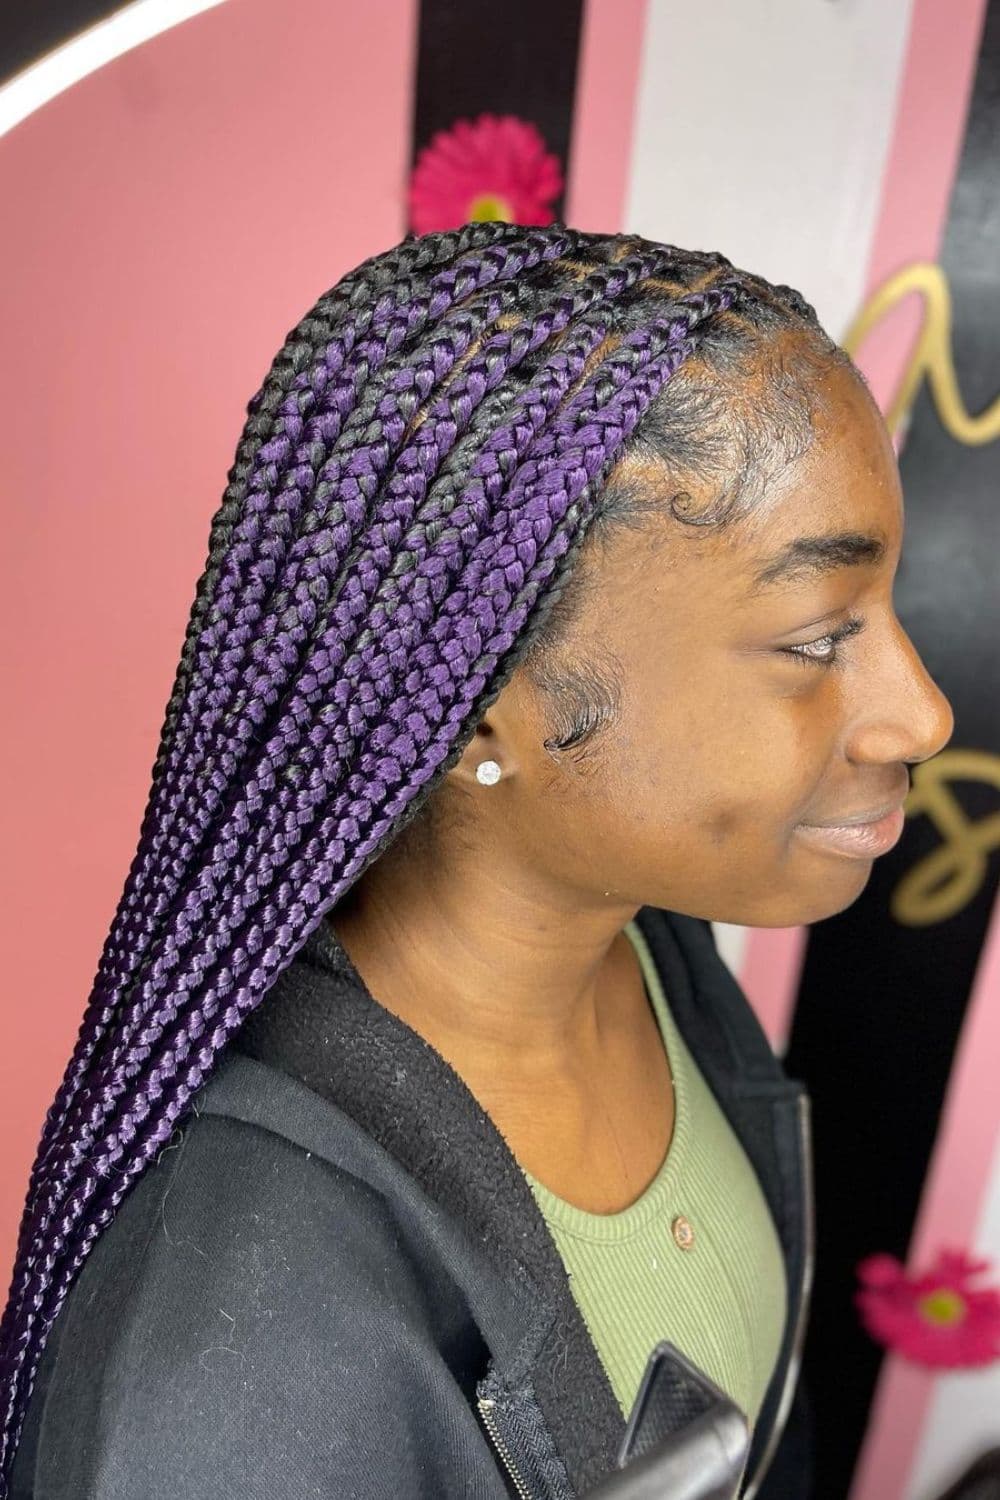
pixel 416 476
pixel 279 412
pixel 175 833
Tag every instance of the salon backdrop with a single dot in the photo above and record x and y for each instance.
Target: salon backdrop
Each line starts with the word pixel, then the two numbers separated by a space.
pixel 180 180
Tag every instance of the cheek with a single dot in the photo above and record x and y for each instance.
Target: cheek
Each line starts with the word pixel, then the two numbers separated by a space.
pixel 727 771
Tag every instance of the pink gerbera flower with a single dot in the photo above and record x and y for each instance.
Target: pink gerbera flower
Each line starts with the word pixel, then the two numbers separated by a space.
pixel 936 1318
pixel 488 168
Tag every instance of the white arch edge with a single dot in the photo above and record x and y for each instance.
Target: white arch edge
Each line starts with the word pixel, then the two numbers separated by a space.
pixel 91 49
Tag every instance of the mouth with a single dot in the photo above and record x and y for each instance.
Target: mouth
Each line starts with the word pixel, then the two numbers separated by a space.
pixel 859 836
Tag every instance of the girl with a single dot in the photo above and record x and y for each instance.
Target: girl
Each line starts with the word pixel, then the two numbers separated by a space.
pixel 547 618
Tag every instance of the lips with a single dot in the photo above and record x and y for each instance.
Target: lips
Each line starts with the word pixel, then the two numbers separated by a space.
pixel 875 815
pixel 863 836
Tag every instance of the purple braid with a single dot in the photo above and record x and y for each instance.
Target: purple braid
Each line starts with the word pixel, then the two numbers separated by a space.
pixel 401 480
pixel 413 305
pixel 246 544
pixel 416 476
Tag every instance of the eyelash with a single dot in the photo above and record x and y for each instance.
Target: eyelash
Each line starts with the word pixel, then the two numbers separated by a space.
pixel 853 626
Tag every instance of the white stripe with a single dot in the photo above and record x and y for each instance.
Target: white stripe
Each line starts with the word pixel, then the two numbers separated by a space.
pixel 762 130
pixel 961 1422
pixel 90 50
pixel 731 942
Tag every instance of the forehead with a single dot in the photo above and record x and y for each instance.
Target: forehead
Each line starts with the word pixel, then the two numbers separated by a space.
pixel 838 505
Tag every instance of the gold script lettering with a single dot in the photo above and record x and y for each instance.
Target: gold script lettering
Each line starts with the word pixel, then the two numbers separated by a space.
pixel 931 355
pixel 942 883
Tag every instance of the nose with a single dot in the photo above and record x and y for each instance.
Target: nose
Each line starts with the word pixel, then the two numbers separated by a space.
pixel 906 716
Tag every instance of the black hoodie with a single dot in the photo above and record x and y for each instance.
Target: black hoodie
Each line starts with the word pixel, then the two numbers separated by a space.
pixel 335 1281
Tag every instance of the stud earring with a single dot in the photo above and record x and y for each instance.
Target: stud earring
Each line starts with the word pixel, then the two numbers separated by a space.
pixel 488 772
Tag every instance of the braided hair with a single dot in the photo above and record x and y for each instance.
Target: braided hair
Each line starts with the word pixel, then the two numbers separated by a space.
pixel 413 485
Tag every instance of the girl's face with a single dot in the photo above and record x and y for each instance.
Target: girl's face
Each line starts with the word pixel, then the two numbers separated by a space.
pixel 745 722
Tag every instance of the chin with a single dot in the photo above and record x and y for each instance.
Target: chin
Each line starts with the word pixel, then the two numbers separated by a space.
pixel 795 907
pixel 830 902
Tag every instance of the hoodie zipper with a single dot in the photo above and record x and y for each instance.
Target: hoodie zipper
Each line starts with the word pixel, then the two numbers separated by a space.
pixel 486 1406
pixel 798 1341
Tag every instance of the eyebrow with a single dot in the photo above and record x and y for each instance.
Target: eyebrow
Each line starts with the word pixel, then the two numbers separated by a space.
pixel 808 556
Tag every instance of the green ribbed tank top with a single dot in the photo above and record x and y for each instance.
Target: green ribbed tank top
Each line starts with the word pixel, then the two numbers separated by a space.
pixel 722 1301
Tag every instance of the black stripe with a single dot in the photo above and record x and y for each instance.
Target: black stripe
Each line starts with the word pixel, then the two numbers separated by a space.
pixel 31 31
pixel 514 57
pixel 882 1004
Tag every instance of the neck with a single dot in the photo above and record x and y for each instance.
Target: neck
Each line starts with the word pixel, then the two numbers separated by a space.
pixel 505 979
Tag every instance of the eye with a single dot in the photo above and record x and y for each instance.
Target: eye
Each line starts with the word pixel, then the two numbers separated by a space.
pixel 823 652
